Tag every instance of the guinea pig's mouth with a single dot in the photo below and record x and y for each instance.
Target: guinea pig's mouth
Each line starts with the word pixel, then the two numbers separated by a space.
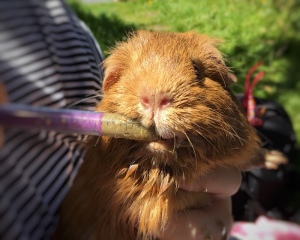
pixel 170 142
pixel 164 145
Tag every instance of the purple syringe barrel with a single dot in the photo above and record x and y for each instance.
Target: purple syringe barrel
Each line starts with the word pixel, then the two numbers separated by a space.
pixel 60 120
pixel 74 121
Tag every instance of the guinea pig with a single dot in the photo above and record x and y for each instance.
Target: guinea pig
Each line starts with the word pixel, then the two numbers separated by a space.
pixel 176 84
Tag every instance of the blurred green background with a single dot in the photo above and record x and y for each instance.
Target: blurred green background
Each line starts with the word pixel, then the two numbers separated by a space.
pixel 252 30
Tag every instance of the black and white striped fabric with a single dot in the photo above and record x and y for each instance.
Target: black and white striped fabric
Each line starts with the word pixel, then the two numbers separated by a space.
pixel 47 58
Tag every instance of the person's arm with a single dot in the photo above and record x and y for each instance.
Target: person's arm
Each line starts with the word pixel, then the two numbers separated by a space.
pixel 3 99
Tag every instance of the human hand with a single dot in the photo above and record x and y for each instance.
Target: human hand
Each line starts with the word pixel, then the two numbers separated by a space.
pixel 213 221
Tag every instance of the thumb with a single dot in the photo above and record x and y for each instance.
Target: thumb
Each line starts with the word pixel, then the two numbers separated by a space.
pixel 222 182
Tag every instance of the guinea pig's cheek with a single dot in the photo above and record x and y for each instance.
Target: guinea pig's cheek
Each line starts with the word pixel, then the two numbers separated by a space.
pixel 163 129
pixel 166 124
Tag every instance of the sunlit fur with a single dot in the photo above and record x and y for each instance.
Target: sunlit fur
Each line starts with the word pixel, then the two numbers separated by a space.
pixel 125 190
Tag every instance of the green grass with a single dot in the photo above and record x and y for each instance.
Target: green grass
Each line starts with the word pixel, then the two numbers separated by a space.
pixel 252 30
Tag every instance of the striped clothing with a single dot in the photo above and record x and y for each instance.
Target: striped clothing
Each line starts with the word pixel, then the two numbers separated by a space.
pixel 47 58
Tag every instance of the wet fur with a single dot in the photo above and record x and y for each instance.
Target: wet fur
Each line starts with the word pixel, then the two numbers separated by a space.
pixel 124 190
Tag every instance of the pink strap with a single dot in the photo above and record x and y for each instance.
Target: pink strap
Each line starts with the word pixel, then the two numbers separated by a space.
pixel 248 100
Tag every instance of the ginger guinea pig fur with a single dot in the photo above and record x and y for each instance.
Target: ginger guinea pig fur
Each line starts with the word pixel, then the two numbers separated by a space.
pixel 176 83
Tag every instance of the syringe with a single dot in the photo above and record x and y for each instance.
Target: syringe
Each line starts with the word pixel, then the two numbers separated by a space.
pixel 74 121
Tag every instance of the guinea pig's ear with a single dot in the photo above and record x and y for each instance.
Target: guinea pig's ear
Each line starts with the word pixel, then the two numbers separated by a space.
pixel 117 62
pixel 112 74
pixel 219 71
pixel 214 69
pixel 208 58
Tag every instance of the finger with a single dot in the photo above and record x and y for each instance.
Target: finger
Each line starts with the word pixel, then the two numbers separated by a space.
pixel 213 222
pixel 276 157
pixel 223 182
pixel 271 165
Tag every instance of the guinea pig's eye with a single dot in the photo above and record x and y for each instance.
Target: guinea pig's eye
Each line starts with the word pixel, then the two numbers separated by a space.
pixel 196 69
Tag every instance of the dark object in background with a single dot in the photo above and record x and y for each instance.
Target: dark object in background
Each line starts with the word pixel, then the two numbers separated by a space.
pixel 264 191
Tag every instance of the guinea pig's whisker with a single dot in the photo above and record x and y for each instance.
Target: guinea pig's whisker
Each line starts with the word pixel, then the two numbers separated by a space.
pixel 210 76
pixel 221 76
pixel 214 87
pixel 174 144
pixel 265 138
pixel 207 139
pixel 97 141
pixel 220 114
pixel 194 151
pixel 84 99
pixel 223 126
pixel 191 144
pixel 234 133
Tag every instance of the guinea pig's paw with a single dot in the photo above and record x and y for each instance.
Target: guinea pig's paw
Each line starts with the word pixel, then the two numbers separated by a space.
pixel 274 158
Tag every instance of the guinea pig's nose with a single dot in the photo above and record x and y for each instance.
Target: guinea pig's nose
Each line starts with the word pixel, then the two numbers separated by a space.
pixel 155 102
pixel 153 107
